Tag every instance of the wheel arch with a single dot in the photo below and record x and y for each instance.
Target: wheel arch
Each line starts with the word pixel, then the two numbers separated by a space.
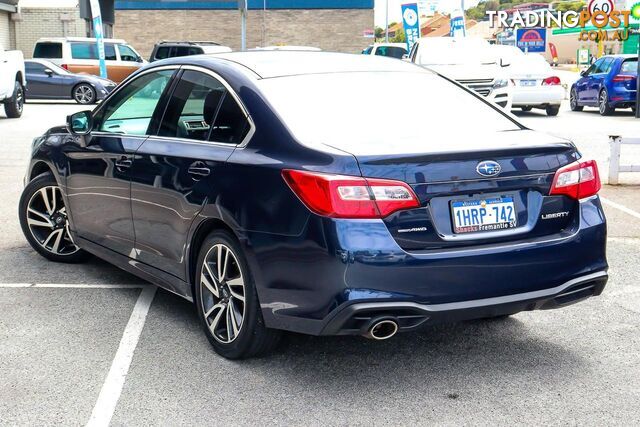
pixel 38 168
pixel 20 77
pixel 201 232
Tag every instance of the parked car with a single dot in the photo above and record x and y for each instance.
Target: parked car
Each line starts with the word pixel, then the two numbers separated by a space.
pixel 12 82
pixel 80 55
pixel 45 80
pixel 535 83
pixel 393 50
pixel 171 49
pixel 274 211
pixel 468 61
pixel 609 83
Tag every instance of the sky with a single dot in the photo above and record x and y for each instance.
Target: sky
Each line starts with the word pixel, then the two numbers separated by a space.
pixel 395 14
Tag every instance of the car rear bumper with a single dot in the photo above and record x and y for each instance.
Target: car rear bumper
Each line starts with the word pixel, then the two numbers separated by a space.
pixel 355 319
pixel 621 97
pixel 306 282
pixel 539 95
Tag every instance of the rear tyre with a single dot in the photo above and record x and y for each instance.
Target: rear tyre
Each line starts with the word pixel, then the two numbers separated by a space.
pixel 603 104
pixel 573 101
pixel 14 105
pixel 552 110
pixel 527 108
pixel 84 93
pixel 43 219
pixel 227 302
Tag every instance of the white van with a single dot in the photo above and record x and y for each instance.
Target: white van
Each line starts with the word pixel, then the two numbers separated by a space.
pixel 80 55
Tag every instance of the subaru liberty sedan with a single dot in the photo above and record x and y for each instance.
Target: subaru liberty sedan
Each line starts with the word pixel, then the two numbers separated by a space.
pixel 257 185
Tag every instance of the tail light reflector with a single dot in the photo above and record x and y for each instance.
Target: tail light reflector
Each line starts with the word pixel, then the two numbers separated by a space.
pixel 340 196
pixel 577 180
pixel 623 78
pixel 550 81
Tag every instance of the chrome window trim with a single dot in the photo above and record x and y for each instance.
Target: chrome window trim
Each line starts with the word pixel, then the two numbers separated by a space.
pixel 242 144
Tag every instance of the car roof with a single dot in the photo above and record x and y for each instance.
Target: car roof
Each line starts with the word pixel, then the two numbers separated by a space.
pixel 76 39
pixel 270 64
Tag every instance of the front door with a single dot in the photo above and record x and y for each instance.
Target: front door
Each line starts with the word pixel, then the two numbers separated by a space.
pixel 98 183
pixel 41 84
pixel 175 173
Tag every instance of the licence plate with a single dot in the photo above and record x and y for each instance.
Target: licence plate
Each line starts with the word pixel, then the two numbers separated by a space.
pixel 527 82
pixel 470 216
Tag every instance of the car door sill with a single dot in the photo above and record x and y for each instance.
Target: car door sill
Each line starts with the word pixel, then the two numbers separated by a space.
pixel 137 268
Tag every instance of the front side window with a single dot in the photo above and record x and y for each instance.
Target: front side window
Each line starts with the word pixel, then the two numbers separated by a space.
pixel 130 110
pixel 127 54
pixel 48 51
pixel 34 68
pixel 606 65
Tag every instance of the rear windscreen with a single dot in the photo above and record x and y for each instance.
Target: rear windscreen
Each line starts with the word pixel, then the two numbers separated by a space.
pixel 48 50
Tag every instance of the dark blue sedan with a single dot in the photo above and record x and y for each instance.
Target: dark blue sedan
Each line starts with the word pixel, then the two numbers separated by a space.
pixel 266 188
pixel 609 83
pixel 45 80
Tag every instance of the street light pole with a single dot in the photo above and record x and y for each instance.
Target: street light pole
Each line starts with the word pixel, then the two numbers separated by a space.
pixel 242 5
pixel 386 22
pixel 638 78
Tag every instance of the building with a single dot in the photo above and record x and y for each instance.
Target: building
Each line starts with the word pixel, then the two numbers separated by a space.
pixel 7 33
pixel 336 25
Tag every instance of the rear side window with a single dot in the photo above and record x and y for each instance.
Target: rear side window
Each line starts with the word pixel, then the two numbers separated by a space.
pixel 630 66
pixel 231 125
pixel 163 52
pixel 48 50
pixel 87 50
pixel 187 51
pixel 127 54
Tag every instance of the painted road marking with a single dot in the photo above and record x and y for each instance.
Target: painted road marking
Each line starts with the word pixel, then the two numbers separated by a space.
pixel 620 207
pixel 112 388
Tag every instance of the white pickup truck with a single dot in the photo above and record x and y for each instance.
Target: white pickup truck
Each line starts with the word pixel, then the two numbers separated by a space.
pixel 12 82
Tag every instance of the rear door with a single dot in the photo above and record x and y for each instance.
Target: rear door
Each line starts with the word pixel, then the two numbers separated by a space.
pixel 41 84
pixel 176 172
pixel 98 182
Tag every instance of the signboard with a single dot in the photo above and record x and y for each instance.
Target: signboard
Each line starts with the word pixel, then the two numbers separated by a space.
pixel 457 27
pixel 583 57
pixel 428 8
pixel 531 39
pixel 368 34
pixel 411 24
pixel 99 35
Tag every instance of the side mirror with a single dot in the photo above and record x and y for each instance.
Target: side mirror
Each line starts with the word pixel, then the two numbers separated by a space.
pixel 48 72
pixel 583 73
pixel 80 124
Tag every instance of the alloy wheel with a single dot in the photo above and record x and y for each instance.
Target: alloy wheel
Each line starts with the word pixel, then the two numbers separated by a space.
pixel 603 102
pixel 223 293
pixel 83 94
pixel 19 98
pixel 47 221
pixel 573 102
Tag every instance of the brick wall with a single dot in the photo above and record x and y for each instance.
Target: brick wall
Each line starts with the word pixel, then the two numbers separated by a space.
pixel 329 29
pixel 34 23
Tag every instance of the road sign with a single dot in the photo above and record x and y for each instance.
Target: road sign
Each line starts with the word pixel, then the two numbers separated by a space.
pixel 411 24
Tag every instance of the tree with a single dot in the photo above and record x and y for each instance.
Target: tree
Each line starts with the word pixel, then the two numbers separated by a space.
pixel 399 37
pixel 379 33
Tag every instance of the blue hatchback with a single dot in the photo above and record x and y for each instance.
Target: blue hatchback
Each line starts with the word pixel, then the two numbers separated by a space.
pixel 609 83
pixel 267 188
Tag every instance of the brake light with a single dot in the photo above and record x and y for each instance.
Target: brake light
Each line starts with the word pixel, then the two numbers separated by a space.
pixel 340 196
pixel 577 180
pixel 65 66
pixel 550 81
pixel 623 78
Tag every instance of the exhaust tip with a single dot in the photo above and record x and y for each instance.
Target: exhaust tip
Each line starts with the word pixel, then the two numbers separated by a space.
pixel 383 330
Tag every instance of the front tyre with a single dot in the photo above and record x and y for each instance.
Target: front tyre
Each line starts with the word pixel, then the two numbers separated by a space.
pixel 227 302
pixel 43 219
pixel 84 94
pixel 14 105
pixel 603 103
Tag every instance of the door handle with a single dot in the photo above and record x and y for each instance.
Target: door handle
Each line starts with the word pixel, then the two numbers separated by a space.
pixel 199 170
pixel 124 163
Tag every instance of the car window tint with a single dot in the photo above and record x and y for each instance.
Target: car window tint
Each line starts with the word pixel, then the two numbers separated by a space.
pixel 109 52
pixel 87 50
pixel 231 124
pixel 600 66
pixel 130 110
pixel 163 52
pixel 127 54
pixel 48 50
pixel 34 68
pixel 368 50
pixel 391 51
pixel 606 66
pixel 193 106
pixel 630 66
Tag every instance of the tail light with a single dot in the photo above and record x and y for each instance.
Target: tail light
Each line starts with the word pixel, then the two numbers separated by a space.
pixel 577 180
pixel 623 78
pixel 340 196
pixel 65 66
pixel 550 81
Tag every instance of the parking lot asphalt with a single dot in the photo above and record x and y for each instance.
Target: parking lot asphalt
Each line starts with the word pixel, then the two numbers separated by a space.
pixel 578 365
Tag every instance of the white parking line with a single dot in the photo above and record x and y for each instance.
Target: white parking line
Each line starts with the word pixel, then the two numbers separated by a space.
pixel 112 387
pixel 620 207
